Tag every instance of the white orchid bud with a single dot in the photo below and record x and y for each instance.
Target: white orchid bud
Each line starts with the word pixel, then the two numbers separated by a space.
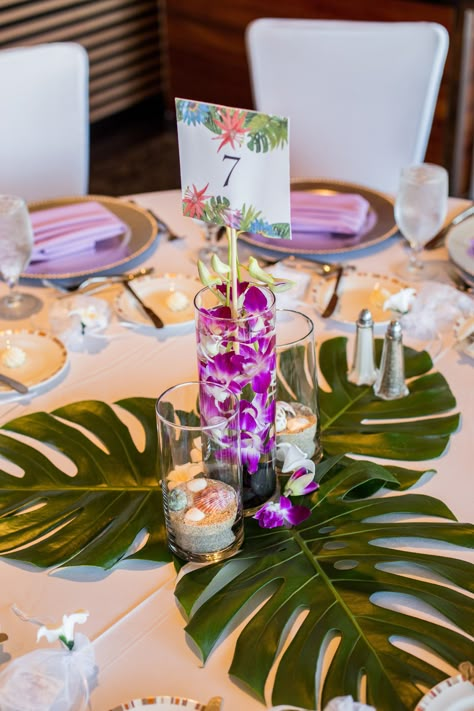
pixel 256 272
pixel 206 277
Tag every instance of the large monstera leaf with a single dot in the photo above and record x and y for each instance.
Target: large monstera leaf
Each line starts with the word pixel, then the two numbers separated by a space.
pixel 354 420
pixel 49 518
pixel 333 569
pixel 93 518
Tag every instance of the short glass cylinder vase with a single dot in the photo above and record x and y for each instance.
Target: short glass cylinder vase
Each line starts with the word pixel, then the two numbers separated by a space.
pixel 239 353
pixel 297 407
pixel 199 458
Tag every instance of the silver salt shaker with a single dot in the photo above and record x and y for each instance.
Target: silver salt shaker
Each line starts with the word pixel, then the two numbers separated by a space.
pixel 363 371
pixel 390 383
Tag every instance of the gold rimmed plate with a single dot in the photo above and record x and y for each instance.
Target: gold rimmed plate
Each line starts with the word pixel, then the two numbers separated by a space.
pixel 45 357
pixel 379 225
pixel 162 703
pixel 110 255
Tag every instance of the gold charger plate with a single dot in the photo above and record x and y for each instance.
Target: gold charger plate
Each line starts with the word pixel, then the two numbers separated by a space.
pixel 111 255
pixel 379 226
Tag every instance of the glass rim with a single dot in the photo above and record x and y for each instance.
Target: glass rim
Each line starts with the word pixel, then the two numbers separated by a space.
pixel 431 170
pixel 198 428
pixel 293 341
pixel 239 319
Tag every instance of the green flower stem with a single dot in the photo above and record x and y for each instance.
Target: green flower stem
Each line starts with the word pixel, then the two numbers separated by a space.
pixel 232 237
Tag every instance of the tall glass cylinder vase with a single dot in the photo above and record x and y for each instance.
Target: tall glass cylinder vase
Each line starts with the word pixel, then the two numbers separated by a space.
pixel 239 353
pixel 297 407
pixel 199 457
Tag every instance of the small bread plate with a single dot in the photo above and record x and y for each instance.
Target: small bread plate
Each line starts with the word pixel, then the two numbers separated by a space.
pixel 464 335
pixel 171 296
pixel 44 357
pixel 162 703
pixel 110 255
pixel 460 246
pixel 453 694
pixel 357 291
pixel 379 225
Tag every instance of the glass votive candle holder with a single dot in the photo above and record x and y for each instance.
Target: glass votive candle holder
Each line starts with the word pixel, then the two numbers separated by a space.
pixel 297 407
pixel 201 479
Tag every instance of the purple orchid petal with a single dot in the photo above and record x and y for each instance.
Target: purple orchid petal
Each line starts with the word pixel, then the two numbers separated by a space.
pixel 261 382
pixel 297 514
pixel 277 513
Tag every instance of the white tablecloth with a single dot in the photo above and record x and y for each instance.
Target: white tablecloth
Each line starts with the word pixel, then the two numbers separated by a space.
pixel 137 628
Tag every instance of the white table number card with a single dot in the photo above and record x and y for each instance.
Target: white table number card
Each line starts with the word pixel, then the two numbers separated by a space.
pixel 234 167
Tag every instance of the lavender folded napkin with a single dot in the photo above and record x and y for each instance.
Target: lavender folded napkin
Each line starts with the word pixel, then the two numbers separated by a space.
pixel 78 227
pixel 341 213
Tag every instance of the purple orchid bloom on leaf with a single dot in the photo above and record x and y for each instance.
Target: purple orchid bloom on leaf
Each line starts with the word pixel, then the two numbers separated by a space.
pixel 301 482
pixel 281 513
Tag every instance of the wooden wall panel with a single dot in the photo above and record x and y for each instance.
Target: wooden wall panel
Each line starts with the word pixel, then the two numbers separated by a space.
pixel 124 40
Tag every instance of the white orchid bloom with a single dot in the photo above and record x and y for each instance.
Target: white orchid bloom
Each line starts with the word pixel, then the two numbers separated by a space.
pixel 183 473
pixel 65 632
pixel 293 458
pixel 401 302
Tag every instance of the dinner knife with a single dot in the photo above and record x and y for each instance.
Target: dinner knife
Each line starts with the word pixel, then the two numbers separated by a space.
pixel 15 384
pixel 332 303
pixel 152 315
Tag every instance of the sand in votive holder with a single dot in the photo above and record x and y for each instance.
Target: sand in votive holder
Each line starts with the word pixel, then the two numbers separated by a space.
pixel 201 480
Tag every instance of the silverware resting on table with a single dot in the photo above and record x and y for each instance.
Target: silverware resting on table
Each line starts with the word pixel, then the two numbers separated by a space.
pixel 304 264
pixel 150 314
pixel 438 239
pixel 14 384
pixel 98 282
pixel 332 303
pixel 164 227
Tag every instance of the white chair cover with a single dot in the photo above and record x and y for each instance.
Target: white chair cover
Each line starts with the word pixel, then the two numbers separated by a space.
pixel 44 121
pixel 360 95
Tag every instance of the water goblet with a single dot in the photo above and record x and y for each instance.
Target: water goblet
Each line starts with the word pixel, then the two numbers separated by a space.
pixel 420 210
pixel 16 244
pixel 211 234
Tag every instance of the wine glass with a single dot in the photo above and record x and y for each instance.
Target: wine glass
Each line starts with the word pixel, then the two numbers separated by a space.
pixel 212 234
pixel 420 210
pixel 16 244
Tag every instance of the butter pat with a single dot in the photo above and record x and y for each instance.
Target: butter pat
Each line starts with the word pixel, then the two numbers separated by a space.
pixel 177 301
pixel 13 357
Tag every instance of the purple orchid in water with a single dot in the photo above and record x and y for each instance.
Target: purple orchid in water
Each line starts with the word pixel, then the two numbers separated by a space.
pixel 281 513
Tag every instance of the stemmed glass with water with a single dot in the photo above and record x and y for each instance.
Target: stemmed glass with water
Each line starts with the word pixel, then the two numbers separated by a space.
pixel 16 245
pixel 420 210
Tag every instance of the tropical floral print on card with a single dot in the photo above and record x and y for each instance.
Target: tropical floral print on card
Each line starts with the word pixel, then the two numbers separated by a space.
pixel 235 167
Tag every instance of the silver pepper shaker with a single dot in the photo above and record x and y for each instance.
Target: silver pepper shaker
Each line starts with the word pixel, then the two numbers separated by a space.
pixel 363 371
pixel 390 383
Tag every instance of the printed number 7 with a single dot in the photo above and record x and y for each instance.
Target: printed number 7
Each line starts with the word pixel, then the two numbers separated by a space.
pixel 236 158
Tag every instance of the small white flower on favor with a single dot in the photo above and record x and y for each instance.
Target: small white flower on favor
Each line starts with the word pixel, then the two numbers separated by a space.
pixel 183 473
pixel 293 458
pixel 401 301
pixel 65 632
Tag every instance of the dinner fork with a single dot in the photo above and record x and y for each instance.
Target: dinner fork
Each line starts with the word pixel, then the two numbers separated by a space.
pixel 164 227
